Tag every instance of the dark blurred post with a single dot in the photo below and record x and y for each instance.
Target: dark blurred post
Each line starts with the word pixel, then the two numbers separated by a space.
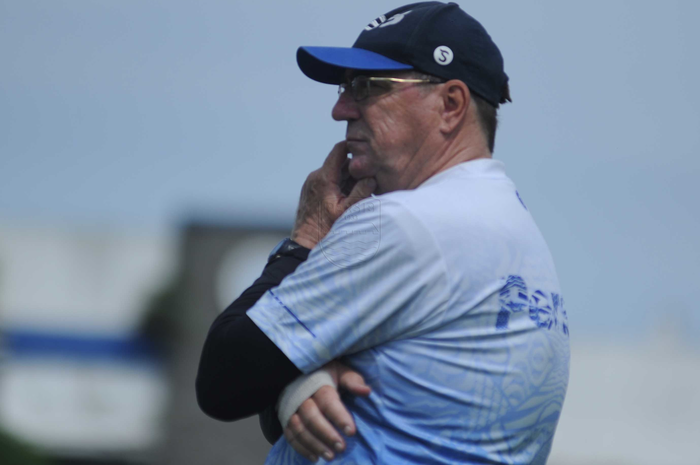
pixel 192 437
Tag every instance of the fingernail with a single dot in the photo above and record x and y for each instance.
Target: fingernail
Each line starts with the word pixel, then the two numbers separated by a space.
pixel 338 446
pixel 348 430
pixel 328 456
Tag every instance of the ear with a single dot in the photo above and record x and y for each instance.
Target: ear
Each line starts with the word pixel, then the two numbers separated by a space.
pixel 455 103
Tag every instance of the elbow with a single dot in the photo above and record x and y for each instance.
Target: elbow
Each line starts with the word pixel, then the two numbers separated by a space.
pixel 205 399
pixel 230 383
pixel 226 403
pixel 211 402
pixel 213 391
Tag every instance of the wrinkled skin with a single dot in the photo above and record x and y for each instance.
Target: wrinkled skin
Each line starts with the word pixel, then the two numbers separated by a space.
pixel 397 140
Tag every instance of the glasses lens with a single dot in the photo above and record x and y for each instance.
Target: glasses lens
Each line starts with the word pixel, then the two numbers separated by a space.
pixel 360 88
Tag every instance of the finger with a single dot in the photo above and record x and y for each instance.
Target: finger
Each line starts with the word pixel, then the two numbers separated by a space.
pixel 290 436
pixel 319 426
pixel 354 382
pixel 301 450
pixel 362 190
pixel 330 405
pixel 305 440
pixel 345 169
pixel 347 186
pixel 347 182
pixel 334 162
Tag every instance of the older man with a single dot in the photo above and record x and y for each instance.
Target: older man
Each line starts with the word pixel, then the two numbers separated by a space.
pixel 438 290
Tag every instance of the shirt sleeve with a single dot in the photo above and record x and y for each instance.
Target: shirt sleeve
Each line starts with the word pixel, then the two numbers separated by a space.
pixel 377 276
pixel 231 383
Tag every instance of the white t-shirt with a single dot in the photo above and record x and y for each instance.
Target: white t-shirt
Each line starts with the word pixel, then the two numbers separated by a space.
pixel 445 298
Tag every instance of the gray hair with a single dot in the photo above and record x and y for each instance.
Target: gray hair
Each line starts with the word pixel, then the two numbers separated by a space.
pixel 487 114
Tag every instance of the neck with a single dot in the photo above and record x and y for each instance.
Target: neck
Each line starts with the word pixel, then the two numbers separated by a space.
pixel 450 158
pixel 451 152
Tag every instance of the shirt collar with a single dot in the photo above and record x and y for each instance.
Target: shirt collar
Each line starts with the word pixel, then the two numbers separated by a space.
pixel 480 167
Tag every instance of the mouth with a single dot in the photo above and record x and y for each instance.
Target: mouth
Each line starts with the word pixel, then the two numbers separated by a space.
pixel 354 134
pixel 355 144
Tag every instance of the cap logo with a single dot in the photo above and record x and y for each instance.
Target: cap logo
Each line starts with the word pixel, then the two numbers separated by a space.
pixel 383 22
pixel 443 55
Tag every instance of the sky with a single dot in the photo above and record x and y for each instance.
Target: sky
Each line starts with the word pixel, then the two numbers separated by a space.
pixel 142 114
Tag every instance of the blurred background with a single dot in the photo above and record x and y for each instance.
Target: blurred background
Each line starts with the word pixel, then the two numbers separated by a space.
pixel 152 153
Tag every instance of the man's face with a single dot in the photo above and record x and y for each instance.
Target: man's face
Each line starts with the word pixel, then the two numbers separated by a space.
pixel 387 133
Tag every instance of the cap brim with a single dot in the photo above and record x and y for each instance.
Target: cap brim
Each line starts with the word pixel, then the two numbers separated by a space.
pixel 328 64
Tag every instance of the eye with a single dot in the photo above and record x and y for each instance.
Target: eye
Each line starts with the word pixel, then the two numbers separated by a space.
pixel 378 87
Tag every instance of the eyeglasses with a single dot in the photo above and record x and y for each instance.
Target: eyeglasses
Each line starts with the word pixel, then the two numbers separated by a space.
pixel 362 87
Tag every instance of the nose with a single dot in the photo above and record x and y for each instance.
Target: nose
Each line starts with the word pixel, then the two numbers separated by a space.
pixel 346 108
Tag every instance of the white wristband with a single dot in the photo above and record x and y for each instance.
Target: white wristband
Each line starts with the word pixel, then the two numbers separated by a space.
pixel 298 391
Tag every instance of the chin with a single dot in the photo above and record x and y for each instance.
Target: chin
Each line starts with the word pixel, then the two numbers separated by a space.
pixel 359 167
pixel 379 190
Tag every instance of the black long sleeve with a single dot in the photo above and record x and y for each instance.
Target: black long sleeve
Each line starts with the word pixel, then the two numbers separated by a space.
pixel 241 372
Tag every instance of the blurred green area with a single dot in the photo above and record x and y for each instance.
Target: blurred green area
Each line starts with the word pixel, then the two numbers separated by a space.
pixel 16 452
pixel 162 317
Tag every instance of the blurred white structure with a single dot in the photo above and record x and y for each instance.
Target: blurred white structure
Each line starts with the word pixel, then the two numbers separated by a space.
pixel 91 281
pixel 69 408
pixel 75 379
pixel 631 402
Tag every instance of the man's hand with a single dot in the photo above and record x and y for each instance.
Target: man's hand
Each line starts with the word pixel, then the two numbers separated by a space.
pixel 312 430
pixel 326 194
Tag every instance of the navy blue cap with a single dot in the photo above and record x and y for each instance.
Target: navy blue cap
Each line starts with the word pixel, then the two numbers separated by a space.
pixel 432 37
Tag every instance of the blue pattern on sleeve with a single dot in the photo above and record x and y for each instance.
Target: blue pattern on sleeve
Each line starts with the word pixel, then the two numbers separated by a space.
pixel 476 382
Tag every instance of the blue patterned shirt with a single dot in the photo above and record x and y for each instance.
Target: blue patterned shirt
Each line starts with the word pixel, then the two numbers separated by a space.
pixel 445 298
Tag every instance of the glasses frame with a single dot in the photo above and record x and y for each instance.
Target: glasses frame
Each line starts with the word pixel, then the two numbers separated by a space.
pixel 360 85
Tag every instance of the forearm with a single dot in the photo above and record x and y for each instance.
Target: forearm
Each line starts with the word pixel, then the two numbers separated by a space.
pixel 241 372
